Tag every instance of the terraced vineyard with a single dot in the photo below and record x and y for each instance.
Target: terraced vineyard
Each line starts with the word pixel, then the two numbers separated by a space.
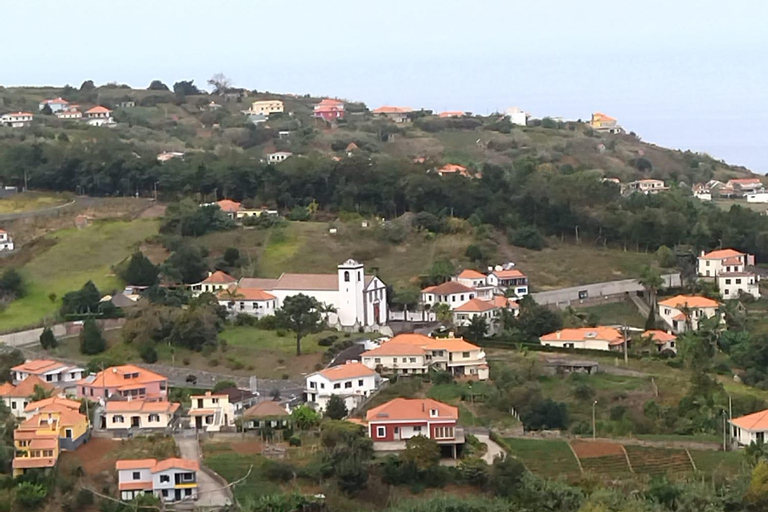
pixel 614 466
pixel 658 461
pixel 546 458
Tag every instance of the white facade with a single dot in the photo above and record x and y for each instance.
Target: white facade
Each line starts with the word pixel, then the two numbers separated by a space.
pixel 175 484
pixel 728 268
pixel 757 197
pixel 211 412
pixel 17 119
pixel 266 107
pixel 675 318
pixel 352 386
pixel 6 243
pixel 733 284
pixel 253 307
pixel 280 156
pixel 169 484
pixel 517 116
pixel 56 104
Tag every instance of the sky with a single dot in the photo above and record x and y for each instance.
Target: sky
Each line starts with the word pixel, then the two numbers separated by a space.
pixel 680 73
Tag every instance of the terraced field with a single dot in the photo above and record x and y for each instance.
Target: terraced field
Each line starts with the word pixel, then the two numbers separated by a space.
pixel 658 461
pixel 614 466
pixel 546 458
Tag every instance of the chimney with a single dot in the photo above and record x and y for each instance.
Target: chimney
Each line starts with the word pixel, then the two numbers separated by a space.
pixel 114 370
pixel 423 407
pixel 558 334
pixel 702 253
pixel 207 393
pixel 450 334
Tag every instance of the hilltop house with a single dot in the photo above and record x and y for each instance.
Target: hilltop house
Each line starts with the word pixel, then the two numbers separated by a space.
pixel 62 375
pixel 236 211
pixel 728 268
pixel 452 113
pixel 54 425
pixel 352 382
pixel 517 116
pixel 16 397
pixel 360 300
pixel 6 242
pixel 662 339
pixel 215 282
pixel 140 416
pixel 452 293
pixel 593 338
pixel 390 425
pixel 505 277
pixel 408 354
pixel 680 311
pixel 279 156
pixel 69 114
pixel 329 110
pixel 56 104
pixel 266 107
pixel 211 412
pixel 605 124
pixel 395 114
pixel 99 116
pixel 17 119
pixel 127 381
pixel 170 480
pixel 702 192
pixel 647 186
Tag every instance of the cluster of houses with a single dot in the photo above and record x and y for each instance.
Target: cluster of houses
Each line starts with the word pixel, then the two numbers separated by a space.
pixel 62 109
pixel 751 189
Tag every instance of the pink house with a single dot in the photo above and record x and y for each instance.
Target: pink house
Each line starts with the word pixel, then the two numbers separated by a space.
pixel 330 110
pixel 127 381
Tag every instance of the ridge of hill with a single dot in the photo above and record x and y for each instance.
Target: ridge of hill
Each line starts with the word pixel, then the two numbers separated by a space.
pixel 164 121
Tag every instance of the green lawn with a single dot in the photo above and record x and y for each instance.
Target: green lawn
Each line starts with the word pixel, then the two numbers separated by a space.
pixel 624 313
pixel 727 463
pixel 233 466
pixel 76 257
pixel 544 457
pixel 28 201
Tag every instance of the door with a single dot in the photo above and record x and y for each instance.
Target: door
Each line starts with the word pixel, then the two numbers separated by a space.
pixel 178 494
pixel 135 421
pixel 376 313
pixel 198 422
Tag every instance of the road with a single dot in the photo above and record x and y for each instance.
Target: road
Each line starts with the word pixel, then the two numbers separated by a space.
pixel 210 492
pixel 493 451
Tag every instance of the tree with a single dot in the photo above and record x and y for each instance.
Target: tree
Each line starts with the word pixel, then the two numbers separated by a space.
pixel 140 271
pixel 46 110
pixel 506 475
pixel 87 85
pixel 650 322
pixel 304 417
pixel 224 384
pixel 220 83
pixel 12 284
pixel 422 452
pixel 157 85
pixel 85 300
pixel 186 264
pixel 47 339
pixel 30 495
pixel 40 393
pixel 185 88
pixel 148 354
pixel 300 314
pixel 650 279
pixel 232 256
pixel 336 408
pixel 91 340
pixel 757 493
pixel 528 237
pixel 441 272
pixel 477 329
pixel 443 313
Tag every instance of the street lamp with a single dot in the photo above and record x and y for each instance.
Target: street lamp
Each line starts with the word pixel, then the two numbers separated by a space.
pixel 594 433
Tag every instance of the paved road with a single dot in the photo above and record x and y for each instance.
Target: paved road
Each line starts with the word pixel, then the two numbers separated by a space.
pixel 210 492
pixel 493 451
pixel 564 296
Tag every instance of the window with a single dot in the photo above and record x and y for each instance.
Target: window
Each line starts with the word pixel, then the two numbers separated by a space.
pixel 313 385
pixel 154 417
pixel 465 355
pixel 417 429
pixel 462 297
pixel 337 386
pixel 381 431
pixel 187 492
pixel 165 491
pixel 360 382
pixel 214 400
pixel 725 292
pixel 583 294
pixel 359 275
pixel 376 360
pixel 666 311
pixel 433 413
pixel 727 281
pixel 322 386
pixel 444 433
pixel 346 276
pixel 13 404
pixel 738 281
pixel 118 419
pixel 348 384
pixel 413 360
pixel 405 359
pixel 136 475
pixel 187 477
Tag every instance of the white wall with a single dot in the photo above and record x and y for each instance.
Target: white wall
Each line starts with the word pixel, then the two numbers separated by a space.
pixel 587 344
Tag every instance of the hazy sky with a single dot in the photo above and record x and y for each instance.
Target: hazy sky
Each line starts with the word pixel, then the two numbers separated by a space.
pixel 681 73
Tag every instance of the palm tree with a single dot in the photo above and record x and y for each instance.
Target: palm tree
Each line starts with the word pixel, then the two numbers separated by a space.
pixel 650 279
pixel 443 313
pixel 232 294
pixel 326 310
pixel 40 393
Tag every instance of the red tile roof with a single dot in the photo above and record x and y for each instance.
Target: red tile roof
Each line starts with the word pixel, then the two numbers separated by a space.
pixel 476 306
pixel 114 377
pixel 98 109
pixel 757 421
pixel 405 409
pixel 658 336
pixel 722 254
pixel 219 277
pixel 393 110
pixel 134 486
pixel 471 274
pixel 349 370
pixel 135 464
pixel 227 205
pixel 254 294
pixel 267 409
pixel 609 334
pixel 176 463
pixel 448 288
pixel 507 274
pixel 691 301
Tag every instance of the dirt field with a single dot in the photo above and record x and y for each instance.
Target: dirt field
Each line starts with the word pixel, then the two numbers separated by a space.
pixel 96 455
pixel 587 449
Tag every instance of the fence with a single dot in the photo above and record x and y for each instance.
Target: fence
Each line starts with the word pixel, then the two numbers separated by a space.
pixel 602 292
pixel 412 316
pixel 43 212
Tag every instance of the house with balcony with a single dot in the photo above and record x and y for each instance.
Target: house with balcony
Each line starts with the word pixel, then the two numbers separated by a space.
pixel 329 110
pixel 647 186
pixel 685 312
pixel 488 310
pixel 70 114
pixel 603 123
pixel 353 382
pixel 211 412
pixel 743 186
pixel 408 354
pixel 16 396
pixel 730 270
pixel 266 414
pixel 17 119
pixel 592 338
pixel 505 278
pixel 62 375
pixel 171 480
pixel 126 381
pixel 99 116
pixel 390 425
pixel 248 301
pixel 138 416
pixel 452 293
pixel 266 108
pixel 53 426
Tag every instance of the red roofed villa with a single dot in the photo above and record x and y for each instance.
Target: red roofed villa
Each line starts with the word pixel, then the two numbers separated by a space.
pixel 681 310
pixel 330 110
pixel 395 114
pixel 352 381
pixel 127 381
pixel 593 338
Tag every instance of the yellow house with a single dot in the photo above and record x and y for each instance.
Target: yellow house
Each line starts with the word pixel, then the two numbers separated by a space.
pixel 56 425
pixel 604 123
pixel 267 107
pixel 139 415
pixel 211 412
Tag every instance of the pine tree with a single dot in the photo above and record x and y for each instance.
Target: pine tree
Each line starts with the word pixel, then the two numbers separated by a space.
pixel 91 340
pixel 650 323
pixel 336 409
pixel 47 339
pixel 140 271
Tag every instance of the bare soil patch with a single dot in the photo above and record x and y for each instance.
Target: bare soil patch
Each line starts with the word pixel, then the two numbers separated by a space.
pixel 587 449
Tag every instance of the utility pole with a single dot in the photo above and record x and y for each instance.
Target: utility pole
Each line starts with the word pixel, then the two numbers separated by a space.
pixel 594 432
pixel 624 331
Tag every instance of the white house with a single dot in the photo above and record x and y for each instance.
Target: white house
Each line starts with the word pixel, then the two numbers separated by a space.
pixel 17 119
pixel 278 157
pixel 249 301
pixel 215 282
pixel 62 375
pixel 672 311
pixel 593 338
pixel 647 186
pixel 662 339
pixel 56 104
pixel 757 197
pixel 728 268
pixel 170 480
pixel 749 429
pixel 410 353
pixel 16 396
pixel 70 113
pixel 489 310
pixel 211 412
pixel 471 278
pixel 452 293
pixel 99 116
pixel 505 277
pixel 353 382
pixel 266 107
pixel 517 116
pixel 141 416
pixel 6 242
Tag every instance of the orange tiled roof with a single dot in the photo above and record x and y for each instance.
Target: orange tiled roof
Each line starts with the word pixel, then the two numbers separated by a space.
pixel 53 403
pixel 609 334
pixel 176 463
pixel 349 370
pixel 393 110
pixel 98 109
pixel 26 387
pixel 135 464
pixel 114 377
pixel 477 306
pixel 507 274
pixel 722 254
pixel 228 205
pixel 745 181
pixel 448 288
pixel 756 421
pixel 394 350
pixel 416 344
pixel 732 261
pixel 134 486
pixel 471 274
pixel 660 337
pixel 267 409
pixel 451 168
pixel 691 301
pixel 37 366
pixel 504 302
pixel 412 409
pixel 455 113
pixel 29 462
pixel 141 406
pixel 201 412
pixel 219 277
pixel 604 117
pixel 256 294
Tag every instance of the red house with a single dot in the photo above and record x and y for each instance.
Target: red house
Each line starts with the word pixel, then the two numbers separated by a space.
pixel 393 423
pixel 330 110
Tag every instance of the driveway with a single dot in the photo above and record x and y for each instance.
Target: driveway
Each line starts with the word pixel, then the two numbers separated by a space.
pixel 210 492
pixel 493 450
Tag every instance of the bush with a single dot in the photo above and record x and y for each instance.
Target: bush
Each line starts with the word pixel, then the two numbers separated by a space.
pixel 475 472
pixel 278 471
pixel 528 237
pixel 299 213
pixel 213 362
pixel 327 341
pixel 148 354
pixel 30 495
pixel 505 475
pixel 294 441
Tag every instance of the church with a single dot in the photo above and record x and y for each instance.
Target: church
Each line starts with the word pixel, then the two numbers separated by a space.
pixel 360 300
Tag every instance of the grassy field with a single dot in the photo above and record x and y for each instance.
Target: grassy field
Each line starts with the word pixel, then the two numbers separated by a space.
pixel 545 458
pixel 728 463
pixel 76 257
pixel 624 313
pixel 28 201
